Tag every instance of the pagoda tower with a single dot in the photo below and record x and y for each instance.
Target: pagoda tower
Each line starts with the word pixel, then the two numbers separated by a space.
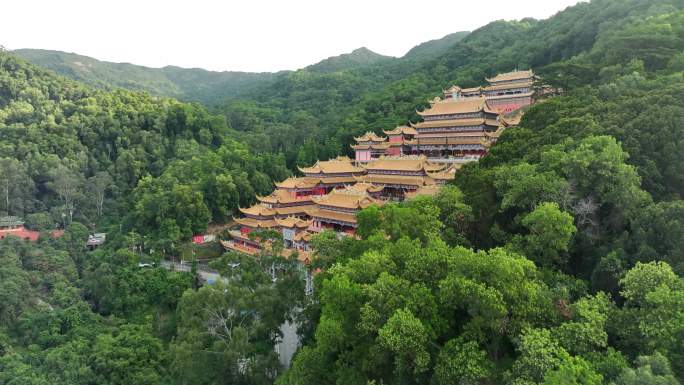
pixel 456 129
pixel 510 91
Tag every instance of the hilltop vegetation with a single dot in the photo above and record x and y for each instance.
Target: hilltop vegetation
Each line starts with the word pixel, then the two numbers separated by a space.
pixel 359 57
pixel 189 84
pixel 67 149
pixel 434 48
pixel 557 259
pixel 210 87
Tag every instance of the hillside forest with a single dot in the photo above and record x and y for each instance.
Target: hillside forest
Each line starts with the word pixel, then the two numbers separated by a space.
pixel 556 259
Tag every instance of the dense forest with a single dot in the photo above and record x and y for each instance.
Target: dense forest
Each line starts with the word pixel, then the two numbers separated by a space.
pixel 556 259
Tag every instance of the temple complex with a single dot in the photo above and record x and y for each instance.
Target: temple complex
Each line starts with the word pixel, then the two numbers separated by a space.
pixel 331 195
pixel 457 128
pixel 411 160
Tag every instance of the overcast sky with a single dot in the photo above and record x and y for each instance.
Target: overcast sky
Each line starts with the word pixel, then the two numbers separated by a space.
pixel 247 35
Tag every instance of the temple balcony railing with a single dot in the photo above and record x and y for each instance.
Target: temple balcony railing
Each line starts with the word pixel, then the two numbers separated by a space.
pixel 463 159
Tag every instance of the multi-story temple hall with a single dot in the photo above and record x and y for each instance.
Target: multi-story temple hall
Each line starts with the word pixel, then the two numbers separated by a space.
pixel 457 128
pixel 453 130
pixel 506 92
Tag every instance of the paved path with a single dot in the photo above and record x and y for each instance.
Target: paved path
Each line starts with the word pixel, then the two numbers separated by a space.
pixel 204 273
pixel 287 347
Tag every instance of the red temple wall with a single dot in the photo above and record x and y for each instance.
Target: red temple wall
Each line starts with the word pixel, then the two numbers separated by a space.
pixel 508 105
pixel 363 156
pixel 394 151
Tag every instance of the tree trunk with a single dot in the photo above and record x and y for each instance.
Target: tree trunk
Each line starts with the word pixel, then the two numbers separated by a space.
pixel 7 197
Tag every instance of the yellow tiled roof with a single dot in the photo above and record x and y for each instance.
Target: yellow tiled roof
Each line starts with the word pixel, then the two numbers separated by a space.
pixel 282 196
pixel 369 137
pixel 256 223
pixel 431 190
pixel 351 197
pixel 381 146
pixel 379 179
pixel 457 106
pixel 259 210
pixel 365 187
pixel 472 89
pixel 496 133
pixel 452 123
pixel 301 183
pixel 302 255
pixel 403 163
pixel 291 222
pixel 513 75
pixel 406 130
pixel 303 236
pixel 293 210
pixel 444 175
pixel 511 121
pixel 520 84
pixel 334 166
pixel 452 89
pixel 334 215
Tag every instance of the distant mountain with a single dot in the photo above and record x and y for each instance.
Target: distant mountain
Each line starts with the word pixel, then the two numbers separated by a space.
pixel 359 57
pixel 191 84
pixel 211 87
pixel 433 48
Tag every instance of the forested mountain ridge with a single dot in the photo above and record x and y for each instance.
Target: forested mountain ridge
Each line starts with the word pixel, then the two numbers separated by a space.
pixel 191 84
pixel 433 48
pixel 207 87
pixel 357 58
pixel 558 258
